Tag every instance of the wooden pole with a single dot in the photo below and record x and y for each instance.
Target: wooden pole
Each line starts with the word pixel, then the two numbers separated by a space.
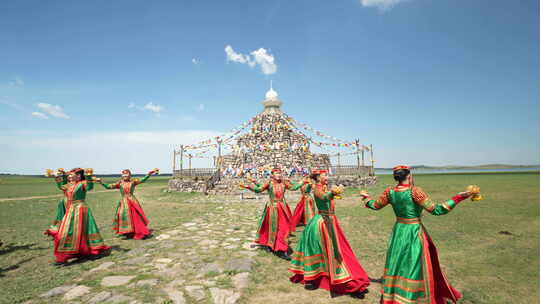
pixel 181 159
pixel 219 155
pixel 357 142
pixel 363 162
pixel 372 160
pixel 339 159
pixel 189 157
pixel 174 160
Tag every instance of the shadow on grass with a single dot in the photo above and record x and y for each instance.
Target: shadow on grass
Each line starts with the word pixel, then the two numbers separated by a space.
pixel 118 248
pixel 11 248
pixel 14 266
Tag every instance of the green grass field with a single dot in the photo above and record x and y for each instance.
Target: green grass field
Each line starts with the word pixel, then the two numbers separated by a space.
pixel 487 266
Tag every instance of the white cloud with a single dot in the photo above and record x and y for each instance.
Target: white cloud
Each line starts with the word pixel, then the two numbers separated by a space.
pixel 131 105
pixel 40 115
pixel 265 60
pixel 258 57
pixel 53 110
pixel 195 61
pixel 153 107
pixel 380 4
pixel 200 107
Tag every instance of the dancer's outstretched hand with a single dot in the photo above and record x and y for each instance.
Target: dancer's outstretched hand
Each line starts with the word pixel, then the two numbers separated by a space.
pixel 364 194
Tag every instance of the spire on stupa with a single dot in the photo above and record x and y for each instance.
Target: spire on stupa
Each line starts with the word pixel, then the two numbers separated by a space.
pixel 271 102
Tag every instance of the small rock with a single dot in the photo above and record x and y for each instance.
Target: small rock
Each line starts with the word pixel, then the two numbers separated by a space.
pixel 103 266
pixel 175 295
pixel 248 253
pixel 149 282
pixel 137 260
pixel 163 237
pixel 250 246
pixel 100 297
pixel 163 261
pixel 240 281
pixel 223 296
pixel 116 280
pixel 136 251
pixel 76 292
pixel 211 267
pixel 119 299
pixel 57 291
pixel 239 264
pixel 189 224
pixel 196 292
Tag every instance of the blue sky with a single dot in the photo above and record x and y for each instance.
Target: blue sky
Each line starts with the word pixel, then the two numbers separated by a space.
pixel 116 84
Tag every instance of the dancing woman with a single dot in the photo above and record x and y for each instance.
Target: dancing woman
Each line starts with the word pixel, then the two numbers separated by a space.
pixel 305 209
pixel 78 235
pixel 130 220
pixel 412 271
pixel 275 222
pixel 323 257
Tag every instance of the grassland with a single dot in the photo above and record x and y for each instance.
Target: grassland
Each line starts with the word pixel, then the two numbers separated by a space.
pixel 489 249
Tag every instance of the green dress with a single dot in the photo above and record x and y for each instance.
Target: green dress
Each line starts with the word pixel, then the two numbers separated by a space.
pixel 412 271
pixel 323 256
pixel 78 234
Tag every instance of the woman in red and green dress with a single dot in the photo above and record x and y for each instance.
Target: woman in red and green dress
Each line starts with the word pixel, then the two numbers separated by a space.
pixel 305 209
pixel 275 222
pixel 323 257
pixel 129 219
pixel 78 235
pixel 412 271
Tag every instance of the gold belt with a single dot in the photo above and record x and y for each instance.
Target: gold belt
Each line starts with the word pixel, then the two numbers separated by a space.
pixel 402 220
pixel 326 212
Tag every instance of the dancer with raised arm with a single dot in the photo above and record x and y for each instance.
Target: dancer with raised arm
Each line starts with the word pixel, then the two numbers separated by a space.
pixel 129 219
pixel 323 257
pixel 78 235
pixel 412 271
pixel 275 222
pixel 305 209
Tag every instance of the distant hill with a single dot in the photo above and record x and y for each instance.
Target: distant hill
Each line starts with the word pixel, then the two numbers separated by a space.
pixel 483 167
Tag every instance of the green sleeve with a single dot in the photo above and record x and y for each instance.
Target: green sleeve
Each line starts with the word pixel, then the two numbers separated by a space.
pixel 295 186
pixel 381 202
pixel 371 204
pixel 258 188
pixel 440 209
pixel 89 182
pixel 422 199
pixel 144 179
pixel 62 182
pixel 107 186
pixel 308 188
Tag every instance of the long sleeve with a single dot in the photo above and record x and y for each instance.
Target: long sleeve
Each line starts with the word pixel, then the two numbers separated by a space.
pixel 293 186
pixel 142 180
pixel 60 182
pixel 111 186
pixel 89 182
pixel 381 202
pixel 258 188
pixel 422 199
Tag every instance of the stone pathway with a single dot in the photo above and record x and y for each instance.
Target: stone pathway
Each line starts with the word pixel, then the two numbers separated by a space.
pixel 207 260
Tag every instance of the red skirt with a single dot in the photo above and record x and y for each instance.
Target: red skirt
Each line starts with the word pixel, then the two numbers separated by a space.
pixel 135 222
pixel 358 279
pixel 274 227
pixel 300 216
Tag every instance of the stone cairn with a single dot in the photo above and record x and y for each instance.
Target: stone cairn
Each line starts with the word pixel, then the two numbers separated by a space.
pixel 271 142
